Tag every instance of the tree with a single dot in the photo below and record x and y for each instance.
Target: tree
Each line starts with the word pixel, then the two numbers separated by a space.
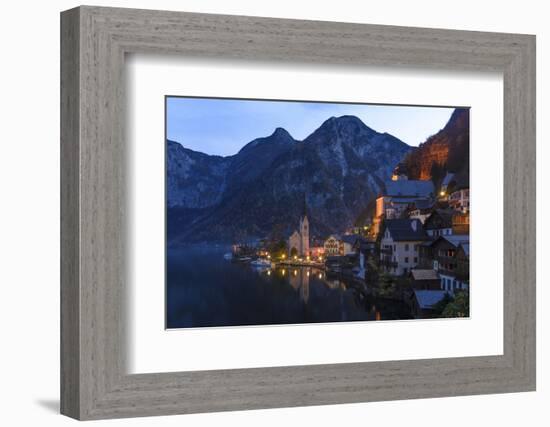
pixel 386 285
pixel 439 307
pixel 459 306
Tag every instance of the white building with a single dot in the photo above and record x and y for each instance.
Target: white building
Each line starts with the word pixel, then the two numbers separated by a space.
pixel 333 246
pixel 460 200
pixel 399 245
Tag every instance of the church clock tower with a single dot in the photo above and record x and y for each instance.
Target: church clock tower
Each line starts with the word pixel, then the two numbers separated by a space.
pixel 304 236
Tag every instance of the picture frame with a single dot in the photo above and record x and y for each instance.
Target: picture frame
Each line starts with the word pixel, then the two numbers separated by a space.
pixel 94 268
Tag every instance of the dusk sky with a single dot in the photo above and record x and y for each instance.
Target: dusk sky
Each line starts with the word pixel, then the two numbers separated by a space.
pixel 223 127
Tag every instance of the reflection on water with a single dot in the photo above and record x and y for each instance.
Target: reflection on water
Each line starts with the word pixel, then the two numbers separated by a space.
pixel 203 289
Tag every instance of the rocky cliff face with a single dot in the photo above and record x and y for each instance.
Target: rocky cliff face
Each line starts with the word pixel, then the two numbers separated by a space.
pixel 335 172
pixel 446 151
pixel 193 179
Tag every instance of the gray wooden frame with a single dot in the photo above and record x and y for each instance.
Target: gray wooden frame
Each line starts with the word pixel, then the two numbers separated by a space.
pixel 94 41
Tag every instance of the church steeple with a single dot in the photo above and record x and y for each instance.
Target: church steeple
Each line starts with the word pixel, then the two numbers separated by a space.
pixel 304 206
pixel 298 242
pixel 304 229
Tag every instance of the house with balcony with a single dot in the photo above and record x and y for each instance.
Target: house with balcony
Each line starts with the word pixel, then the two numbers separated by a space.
pixel 399 245
pixel 459 193
pixel 460 199
pixel 449 256
pixel 439 223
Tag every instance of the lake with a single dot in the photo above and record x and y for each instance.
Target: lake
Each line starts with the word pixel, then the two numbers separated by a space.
pixel 203 289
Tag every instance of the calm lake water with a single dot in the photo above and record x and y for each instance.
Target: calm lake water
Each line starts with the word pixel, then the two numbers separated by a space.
pixel 204 289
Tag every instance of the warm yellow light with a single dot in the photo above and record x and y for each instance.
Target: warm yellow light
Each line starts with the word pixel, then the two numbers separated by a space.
pixel 320 258
pixel 269 257
pixel 295 257
pixel 283 271
pixel 307 273
pixel 320 275
pixel 442 193
pixel 283 256
pixel 269 272
pixel 295 272
pixel 307 257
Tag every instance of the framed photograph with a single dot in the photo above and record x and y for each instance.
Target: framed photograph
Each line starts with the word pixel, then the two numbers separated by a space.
pixel 263 213
pixel 340 222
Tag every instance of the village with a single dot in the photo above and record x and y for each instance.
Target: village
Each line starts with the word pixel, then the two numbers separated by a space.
pixel 414 249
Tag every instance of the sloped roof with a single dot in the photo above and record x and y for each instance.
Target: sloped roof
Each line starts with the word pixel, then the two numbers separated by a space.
pixel 446 216
pixel 466 247
pixel 428 298
pixel 405 229
pixel 351 238
pixel 409 188
pixel 419 274
pixel 455 239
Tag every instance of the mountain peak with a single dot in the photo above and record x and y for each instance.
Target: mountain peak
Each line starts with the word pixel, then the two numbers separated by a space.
pixel 348 122
pixel 279 136
pixel 281 133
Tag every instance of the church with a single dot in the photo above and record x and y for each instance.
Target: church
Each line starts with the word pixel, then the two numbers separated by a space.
pixel 298 242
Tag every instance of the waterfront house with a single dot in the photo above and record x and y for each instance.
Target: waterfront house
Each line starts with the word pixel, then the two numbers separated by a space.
pixel 366 249
pixel 399 243
pixel 348 242
pixel 333 246
pixel 449 256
